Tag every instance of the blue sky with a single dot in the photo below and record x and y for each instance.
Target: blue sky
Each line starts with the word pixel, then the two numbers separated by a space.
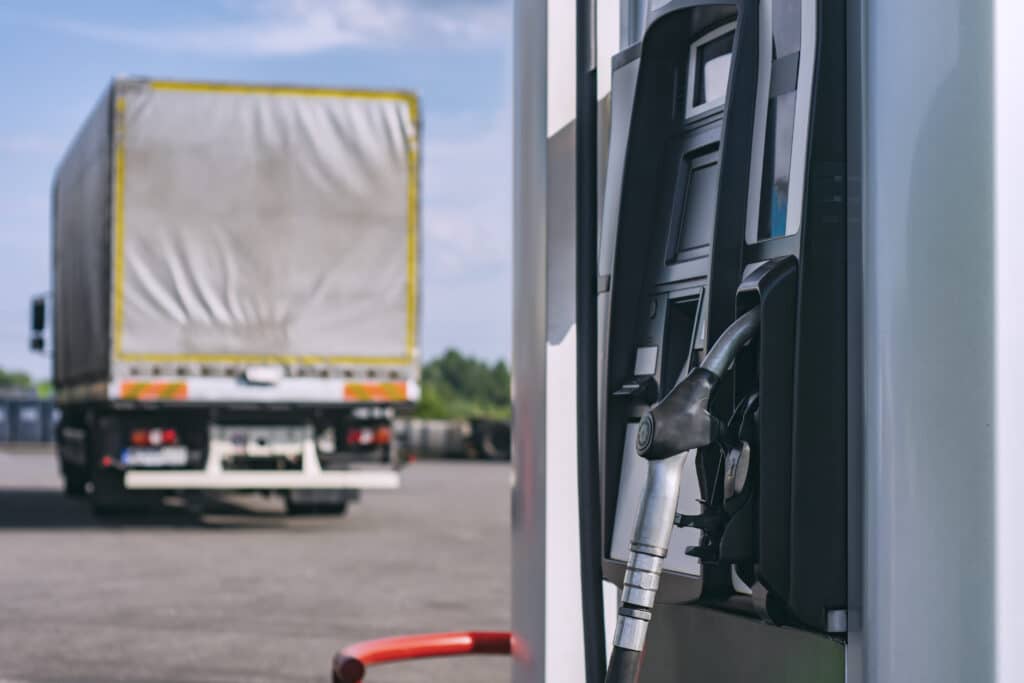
pixel 56 57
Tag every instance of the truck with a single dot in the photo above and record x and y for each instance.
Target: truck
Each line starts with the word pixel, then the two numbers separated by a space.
pixel 235 293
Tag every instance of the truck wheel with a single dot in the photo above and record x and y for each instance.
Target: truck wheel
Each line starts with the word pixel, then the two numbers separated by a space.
pixel 297 509
pixel 109 497
pixel 492 439
pixel 334 508
pixel 316 502
pixel 75 480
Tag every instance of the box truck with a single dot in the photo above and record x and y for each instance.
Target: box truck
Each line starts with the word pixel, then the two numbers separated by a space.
pixel 235 291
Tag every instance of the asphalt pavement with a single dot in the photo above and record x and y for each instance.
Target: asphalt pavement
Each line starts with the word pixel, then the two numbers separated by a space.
pixel 242 592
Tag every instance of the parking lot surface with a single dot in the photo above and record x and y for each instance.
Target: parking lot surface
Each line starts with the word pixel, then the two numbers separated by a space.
pixel 241 592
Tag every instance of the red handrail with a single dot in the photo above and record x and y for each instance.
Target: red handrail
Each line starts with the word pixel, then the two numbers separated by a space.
pixel 350 664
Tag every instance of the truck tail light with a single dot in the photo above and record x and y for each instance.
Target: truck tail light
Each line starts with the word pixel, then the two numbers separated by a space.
pixel 154 437
pixel 360 436
pixel 382 436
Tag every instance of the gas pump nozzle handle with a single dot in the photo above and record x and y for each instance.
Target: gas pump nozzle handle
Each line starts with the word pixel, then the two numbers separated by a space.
pixel 678 423
pixel 681 421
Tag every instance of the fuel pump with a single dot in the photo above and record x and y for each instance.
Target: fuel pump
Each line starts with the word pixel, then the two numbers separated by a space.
pixel 723 291
pixel 795 382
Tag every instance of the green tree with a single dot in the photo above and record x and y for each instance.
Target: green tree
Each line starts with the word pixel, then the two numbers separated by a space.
pixel 457 386
pixel 15 380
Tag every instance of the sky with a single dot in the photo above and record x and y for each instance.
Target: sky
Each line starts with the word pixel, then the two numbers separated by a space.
pixel 56 57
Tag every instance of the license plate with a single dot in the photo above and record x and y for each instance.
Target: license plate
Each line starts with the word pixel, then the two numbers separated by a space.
pixel 167 456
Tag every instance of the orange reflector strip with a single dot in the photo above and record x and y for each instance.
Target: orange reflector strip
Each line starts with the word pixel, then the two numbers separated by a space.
pixel 375 391
pixel 154 391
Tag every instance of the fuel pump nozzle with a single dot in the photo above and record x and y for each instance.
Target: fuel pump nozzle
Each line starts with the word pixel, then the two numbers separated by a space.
pixel 673 429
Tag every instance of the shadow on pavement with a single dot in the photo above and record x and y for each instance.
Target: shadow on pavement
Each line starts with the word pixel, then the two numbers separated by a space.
pixel 43 508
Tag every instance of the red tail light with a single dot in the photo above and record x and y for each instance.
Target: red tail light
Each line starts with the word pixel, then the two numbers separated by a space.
pixel 382 437
pixel 360 436
pixel 153 437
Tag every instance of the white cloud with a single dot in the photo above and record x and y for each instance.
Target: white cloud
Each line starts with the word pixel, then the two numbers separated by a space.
pixel 467 178
pixel 290 27
pixel 467 181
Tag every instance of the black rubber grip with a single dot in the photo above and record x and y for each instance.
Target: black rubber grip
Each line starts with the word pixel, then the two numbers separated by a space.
pixel 624 666
pixel 680 421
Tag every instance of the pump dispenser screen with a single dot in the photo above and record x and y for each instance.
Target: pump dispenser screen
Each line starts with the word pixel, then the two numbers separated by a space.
pixel 713 62
pixel 710 60
pixel 698 215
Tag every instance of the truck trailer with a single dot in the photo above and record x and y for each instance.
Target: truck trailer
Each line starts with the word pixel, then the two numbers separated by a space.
pixel 235 291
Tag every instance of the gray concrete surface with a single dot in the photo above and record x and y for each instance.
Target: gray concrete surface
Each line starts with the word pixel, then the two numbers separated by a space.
pixel 242 592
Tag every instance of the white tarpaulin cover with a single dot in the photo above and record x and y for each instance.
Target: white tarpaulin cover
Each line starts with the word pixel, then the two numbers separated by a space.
pixel 264 225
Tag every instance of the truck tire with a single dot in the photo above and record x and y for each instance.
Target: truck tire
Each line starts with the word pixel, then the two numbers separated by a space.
pixel 109 496
pixel 491 440
pixel 75 479
pixel 297 509
pixel 317 503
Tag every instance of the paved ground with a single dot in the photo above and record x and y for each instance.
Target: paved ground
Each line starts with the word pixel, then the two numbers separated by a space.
pixel 244 593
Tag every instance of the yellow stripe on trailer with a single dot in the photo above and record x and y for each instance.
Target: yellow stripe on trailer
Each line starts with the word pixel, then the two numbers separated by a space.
pixel 119 107
pixel 254 89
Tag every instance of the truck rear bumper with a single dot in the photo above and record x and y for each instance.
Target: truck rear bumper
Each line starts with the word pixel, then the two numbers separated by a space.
pixel 175 480
pixel 216 477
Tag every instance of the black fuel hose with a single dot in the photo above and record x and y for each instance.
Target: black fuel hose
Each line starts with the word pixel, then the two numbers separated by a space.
pixel 723 353
pixel 588 465
pixel 624 665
